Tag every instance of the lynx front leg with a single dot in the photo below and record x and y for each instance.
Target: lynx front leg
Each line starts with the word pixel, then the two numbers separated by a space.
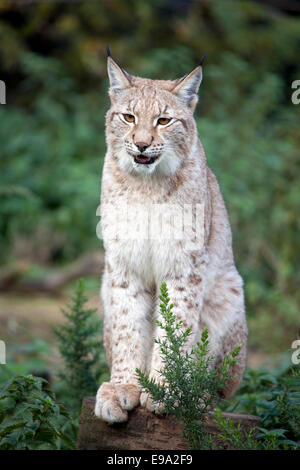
pixel 127 306
pixel 186 294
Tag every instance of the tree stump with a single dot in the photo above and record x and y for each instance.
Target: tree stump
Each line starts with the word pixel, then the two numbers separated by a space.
pixel 145 430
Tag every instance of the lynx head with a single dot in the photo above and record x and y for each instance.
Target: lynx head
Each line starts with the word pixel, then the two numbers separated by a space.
pixel 150 126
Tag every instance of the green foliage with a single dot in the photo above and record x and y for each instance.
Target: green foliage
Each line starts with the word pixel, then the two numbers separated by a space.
pixel 282 409
pixel 81 348
pixel 190 386
pixel 256 439
pixel 276 400
pixel 42 164
pixel 234 434
pixel 30 418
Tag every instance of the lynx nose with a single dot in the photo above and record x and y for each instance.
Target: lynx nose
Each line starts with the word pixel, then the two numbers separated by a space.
pixel 142 146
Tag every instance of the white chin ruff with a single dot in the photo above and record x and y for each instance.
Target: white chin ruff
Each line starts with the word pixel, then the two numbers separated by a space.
pixel 144 168
pixel 167 164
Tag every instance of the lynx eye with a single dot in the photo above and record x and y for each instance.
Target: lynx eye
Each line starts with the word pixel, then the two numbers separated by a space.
pixel 129 117
pixel 163 121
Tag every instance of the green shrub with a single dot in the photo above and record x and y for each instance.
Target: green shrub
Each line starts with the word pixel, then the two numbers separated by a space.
pixel 274 396
pixel 279 409
pixel 82 351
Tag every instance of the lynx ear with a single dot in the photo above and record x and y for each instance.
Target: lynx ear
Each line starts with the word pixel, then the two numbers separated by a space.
pixel 119 79
pixel 187 87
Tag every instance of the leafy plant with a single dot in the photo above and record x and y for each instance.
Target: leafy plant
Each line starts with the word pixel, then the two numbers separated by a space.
pixel 276 400
pixel 281 411
pixel 30 418
pixel 81 348
pixel 190 385
pixel 256 439
pixel 234 434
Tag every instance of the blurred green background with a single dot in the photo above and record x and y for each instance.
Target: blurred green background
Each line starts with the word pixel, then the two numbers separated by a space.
pixel 52 145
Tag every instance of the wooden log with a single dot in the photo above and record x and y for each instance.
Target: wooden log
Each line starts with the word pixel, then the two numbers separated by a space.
pixel 144 430
pixel 90 264
pixel 9 275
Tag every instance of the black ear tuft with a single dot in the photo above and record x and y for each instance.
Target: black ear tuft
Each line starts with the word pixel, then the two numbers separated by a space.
pixel 108 51
pixel 202 59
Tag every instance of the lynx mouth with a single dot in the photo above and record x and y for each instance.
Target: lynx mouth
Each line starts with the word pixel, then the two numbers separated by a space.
pixel 144 160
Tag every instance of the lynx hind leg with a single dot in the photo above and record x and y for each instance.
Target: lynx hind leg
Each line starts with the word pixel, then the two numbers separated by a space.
pixel 224 315
pixel 237 335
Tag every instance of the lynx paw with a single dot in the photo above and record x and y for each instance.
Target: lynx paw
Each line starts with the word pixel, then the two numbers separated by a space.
pixel 147 402
pixel 113 401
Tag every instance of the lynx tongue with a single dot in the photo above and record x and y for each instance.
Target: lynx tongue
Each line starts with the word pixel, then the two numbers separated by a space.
pixel 142 158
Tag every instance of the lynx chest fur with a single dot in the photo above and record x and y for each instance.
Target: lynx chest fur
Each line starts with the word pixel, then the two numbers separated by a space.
pixel 163 218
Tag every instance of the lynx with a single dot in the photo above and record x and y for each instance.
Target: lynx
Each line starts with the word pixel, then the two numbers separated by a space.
pixel 155 159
